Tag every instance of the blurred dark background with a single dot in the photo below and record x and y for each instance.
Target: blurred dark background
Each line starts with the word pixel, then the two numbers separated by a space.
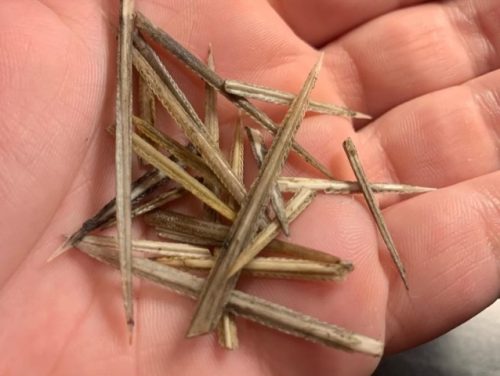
pixel 472 349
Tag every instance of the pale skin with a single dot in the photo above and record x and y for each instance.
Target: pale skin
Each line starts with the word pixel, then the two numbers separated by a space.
pixel 429 75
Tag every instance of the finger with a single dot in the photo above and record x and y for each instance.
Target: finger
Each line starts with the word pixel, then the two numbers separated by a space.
pixel 414 51
pixel 450 244
pixel 438 139
pixel 320 21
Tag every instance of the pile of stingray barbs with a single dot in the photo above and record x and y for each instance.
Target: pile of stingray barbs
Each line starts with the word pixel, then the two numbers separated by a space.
pixel 237 232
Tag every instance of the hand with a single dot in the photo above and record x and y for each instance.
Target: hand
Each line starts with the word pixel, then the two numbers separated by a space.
pixel 428 73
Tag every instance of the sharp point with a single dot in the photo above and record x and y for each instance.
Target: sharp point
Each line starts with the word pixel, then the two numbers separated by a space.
pixel 402 273
pixel 362 116
pixel 349 266
pixel 285 227
pixel 191 334
pixel 348 145
pixel 405 281
pixel 196 330
pixel 319 64
pixel 60 250
pixel 415 189
pixel 419 189
pixel 240 262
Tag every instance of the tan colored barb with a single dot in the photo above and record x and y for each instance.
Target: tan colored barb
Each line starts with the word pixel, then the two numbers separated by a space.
pixel 237 152
pixel 179 175
pixel 294 184
pixel 123 156
pixel 147 106
pixel 227 332
pixel 212 125
pixel 250 307
pixel 226 329
pixel 357 168
pixel 180 227
pixel 216 291
pixel 275 96
pixel 269 267
pixel 211 118
pixel 259 151
pixel 179 236
pixel 151 247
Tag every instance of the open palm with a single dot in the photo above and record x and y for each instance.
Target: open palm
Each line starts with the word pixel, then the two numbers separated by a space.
pixel 427 72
